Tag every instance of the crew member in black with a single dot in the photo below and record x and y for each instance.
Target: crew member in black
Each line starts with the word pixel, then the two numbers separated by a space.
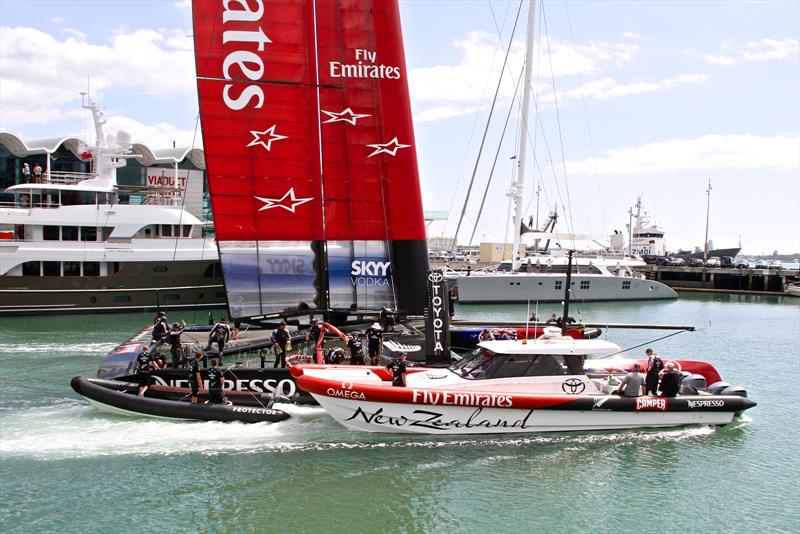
pixel 195 377
pixel 452 297
pixel 215 384
pixel 356 349
pixel 314 332
pixel 160 330
pixel 398 368
pixel 174 340
pixel 374 343
pixel 335 356
pixel 280 338
pixel 219 334
pixel 670 381
pixel 144 369
pixel 654 367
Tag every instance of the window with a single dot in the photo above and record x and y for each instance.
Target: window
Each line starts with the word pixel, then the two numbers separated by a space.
pixel 69 233
pixel 91 268
pixel 51 268
pixel 546 365
pixel 72 268
pixel 559 284
pixel 172 296
pixel 187 230
pixel 626 284
pixel 31 268
pixel 121 298
pixel 160 269
pixel 212 271
pixel 106 231
pixel 115 267
pixel 88 233
pixel 51 233
pixel 585 284
pixel 166 230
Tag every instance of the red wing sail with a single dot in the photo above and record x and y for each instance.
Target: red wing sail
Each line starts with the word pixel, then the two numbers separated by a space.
pixel 310 154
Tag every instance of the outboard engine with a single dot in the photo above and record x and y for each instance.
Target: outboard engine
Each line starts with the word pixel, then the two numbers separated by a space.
pixel 692 383
pixel 718 387
pixel 735 390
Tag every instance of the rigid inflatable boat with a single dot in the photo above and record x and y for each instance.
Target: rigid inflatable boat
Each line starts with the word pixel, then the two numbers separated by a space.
pixel 166 402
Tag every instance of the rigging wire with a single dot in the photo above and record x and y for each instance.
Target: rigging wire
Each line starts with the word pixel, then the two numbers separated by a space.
pixel 558 121
pixel 494 162
pixel 486 128
pixel 586 118
pixel 643 344
pixel 477 113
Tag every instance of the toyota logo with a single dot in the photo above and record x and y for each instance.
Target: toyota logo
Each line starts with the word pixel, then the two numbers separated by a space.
pixel 573 386
pixel 435 277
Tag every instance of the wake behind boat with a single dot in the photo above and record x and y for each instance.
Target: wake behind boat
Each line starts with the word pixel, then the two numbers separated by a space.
pixel 170 403
pixel 517 386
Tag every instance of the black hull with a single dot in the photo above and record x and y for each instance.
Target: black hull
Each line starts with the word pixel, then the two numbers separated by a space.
pixel 116 396
pixel 716 253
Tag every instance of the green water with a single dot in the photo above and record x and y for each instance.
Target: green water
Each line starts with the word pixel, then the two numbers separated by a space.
pixel 64 467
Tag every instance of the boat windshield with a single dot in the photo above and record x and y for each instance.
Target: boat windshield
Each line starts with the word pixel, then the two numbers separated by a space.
pixel 484 364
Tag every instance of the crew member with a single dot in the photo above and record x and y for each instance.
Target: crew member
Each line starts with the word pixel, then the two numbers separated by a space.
pixel 398 368
pixel 335 356
pixel 356 349
pixel 144 370
pixel 215 384
pixel 670 381
pixel 160 330
pixel 219 334
pixel 174 340
pixel 314 333
pixel 280 339
pixel 654 367
pixel 195 378
pixel 451 301
pixel 633 383
pixel 374 343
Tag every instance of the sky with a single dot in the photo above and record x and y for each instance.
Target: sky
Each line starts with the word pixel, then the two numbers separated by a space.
pixel 641 98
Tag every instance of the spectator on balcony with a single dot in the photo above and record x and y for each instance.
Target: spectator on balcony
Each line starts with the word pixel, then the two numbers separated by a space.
pixel 37 173
pixel 26 172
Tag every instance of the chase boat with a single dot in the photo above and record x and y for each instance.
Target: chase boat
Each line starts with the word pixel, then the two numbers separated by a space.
pixel 172 403
pixel 554 383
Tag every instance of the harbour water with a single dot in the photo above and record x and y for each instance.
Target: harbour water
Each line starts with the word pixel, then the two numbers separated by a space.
pixel 65 467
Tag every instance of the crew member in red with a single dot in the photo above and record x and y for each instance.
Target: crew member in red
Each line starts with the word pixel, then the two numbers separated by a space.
pixel 398 368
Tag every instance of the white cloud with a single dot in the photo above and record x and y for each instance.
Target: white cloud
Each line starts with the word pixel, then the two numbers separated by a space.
pixel 720 59
pixel 777 153
pixel 160 135
pixel 631 35
pixel 760 50
pixel 608 87
pixel 452 87
pixel 41 73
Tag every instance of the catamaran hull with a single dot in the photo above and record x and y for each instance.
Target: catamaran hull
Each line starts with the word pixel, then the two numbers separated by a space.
pixel 432 419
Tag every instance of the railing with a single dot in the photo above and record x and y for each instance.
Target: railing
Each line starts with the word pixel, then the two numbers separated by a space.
pixel 66 177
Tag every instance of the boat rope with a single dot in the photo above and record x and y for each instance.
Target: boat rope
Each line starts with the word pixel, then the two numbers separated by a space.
pixel 252 394
pixel 488 122
pixel 643 344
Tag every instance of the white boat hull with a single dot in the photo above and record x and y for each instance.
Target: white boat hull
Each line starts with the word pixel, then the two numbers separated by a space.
pixel 542 287
pixel 451 420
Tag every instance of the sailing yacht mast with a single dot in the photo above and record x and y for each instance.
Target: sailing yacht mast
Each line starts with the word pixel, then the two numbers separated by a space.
pixel 515 192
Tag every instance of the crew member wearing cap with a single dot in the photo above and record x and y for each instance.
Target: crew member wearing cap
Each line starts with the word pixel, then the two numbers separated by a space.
pixel 670 381
pixel 195 378
pixel 374 343
pixel 398 368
